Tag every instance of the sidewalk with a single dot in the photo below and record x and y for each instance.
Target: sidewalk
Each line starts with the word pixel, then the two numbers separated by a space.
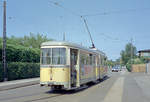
pixel 18 83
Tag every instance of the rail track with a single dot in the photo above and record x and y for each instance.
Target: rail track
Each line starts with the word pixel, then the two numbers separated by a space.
pixel 34 96
pixel 43 98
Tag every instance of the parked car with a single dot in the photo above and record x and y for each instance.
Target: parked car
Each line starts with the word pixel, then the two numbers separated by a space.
pixel 115 69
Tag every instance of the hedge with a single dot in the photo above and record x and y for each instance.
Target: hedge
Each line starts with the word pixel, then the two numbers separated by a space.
pixel 19 70
pixel 21 54
pixel 1 71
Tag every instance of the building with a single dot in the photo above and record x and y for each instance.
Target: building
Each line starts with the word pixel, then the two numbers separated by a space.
pixel 144 53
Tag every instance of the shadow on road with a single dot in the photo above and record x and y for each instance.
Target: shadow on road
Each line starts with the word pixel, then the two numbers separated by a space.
pixel 82 88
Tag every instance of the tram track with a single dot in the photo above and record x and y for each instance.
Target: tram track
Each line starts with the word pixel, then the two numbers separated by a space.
pixel 35 96
pixel 44 94
pixel 15 87
pixel 54 94
pixel 62 93
pixel 43 98
pixel 32 97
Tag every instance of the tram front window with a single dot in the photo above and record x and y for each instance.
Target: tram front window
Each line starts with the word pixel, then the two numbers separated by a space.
pixel 53 56
pixel 46 56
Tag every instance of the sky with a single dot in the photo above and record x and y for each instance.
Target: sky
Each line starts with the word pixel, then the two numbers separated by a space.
pixel 112 23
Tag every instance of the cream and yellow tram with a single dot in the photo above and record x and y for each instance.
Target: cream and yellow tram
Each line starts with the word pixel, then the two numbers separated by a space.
pixel 67 65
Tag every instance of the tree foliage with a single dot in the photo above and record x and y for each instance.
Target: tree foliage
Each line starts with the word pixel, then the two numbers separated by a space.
pixel 31 41
pixel 23 56
pixel 110 63
pixel 23 49
pixel 130 49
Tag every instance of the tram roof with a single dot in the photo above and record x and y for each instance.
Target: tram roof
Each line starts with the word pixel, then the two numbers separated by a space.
pixel 64 43
pixel 59 43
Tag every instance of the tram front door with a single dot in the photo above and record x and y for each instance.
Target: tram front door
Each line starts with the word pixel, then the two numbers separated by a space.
pixel 73 63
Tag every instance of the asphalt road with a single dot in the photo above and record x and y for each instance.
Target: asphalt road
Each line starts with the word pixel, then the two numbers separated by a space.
pixel 118 87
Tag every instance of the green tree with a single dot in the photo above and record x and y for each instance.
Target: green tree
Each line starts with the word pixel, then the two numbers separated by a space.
pixel 34 41
pixel 0 40
pixel 110 63
pixel 117 62
pixel 31 41
pixel 130 49
pixel 15 40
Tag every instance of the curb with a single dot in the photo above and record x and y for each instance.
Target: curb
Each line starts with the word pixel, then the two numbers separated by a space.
pixel 18 83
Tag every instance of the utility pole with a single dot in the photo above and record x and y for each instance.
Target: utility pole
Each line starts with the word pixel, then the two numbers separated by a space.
pixel 4 42
pixel 64 37
pixel 131 51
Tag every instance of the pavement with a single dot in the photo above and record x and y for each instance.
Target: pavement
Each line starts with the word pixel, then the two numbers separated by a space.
pixel 18 83
pixel 117 87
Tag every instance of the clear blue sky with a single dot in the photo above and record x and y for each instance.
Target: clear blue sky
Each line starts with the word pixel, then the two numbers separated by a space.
pixel 41 16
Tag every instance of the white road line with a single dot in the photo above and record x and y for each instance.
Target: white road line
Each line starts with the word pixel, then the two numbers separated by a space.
pixel 116 91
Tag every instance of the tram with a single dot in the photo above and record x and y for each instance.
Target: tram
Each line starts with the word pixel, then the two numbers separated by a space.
pixel 65 65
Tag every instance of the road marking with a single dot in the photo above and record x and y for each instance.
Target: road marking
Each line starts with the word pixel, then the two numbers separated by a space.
pixel 116 91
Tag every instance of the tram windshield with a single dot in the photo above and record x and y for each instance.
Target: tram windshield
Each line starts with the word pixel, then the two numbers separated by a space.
pixel 53 56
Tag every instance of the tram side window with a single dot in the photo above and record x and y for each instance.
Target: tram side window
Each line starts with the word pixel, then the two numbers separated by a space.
pixel 98 61
pixel 62 56
pixel 58 56
pixel 90 59
pixel 82 59
pixel 87 60
pixel 46 56
pixel 94 58
pixel 102 61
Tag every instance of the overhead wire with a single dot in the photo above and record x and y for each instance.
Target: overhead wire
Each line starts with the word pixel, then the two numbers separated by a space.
pixel 66 9
pixel 115 12
pixel 100 14
pixel 113 38
pixel 74 13
pixel 97 14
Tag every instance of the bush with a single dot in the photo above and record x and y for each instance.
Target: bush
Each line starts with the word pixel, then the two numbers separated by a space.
pixel 141 60
pixel 21 54
pixel 128 66
pixel 19 70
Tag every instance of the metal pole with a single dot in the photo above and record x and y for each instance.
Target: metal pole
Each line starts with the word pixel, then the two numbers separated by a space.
pixel 131 51
pixel 64 37
pixel 4 42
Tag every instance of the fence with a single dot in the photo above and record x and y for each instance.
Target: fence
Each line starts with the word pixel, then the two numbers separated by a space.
pixel 141 68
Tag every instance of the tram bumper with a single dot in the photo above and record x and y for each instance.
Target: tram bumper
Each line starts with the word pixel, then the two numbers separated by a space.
pixel 64 85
